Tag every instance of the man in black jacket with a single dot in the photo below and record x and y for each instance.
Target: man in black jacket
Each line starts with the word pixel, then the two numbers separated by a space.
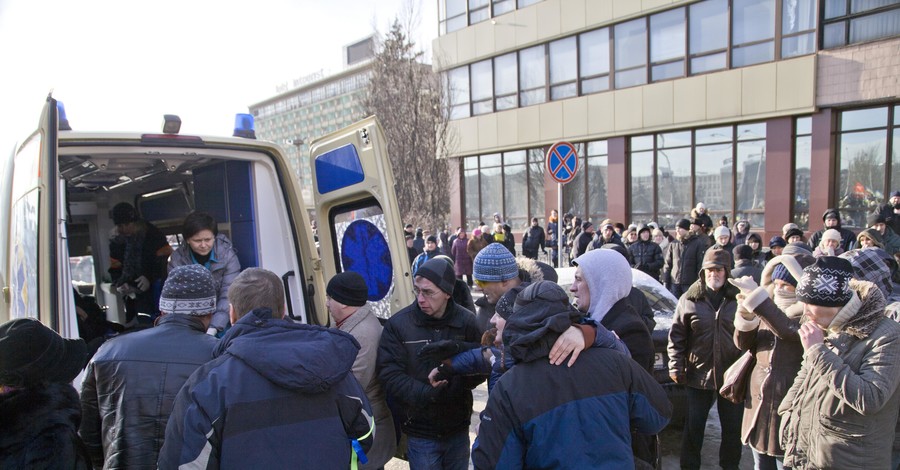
pixel 683 258
pixel 533 240
pixel 436 420
pixel 130 385
pixel 832 219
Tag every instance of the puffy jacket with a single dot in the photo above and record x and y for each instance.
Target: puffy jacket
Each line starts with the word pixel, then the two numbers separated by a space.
pixel 701 341
pixel 683 259
pixel 842 408
pixel 422 410
pixel 533 240
pixel 647 256
pixel 270 378
pixel 223 265
pixel 130 386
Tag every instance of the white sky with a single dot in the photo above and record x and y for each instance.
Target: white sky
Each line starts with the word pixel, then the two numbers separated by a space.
pixel 119 65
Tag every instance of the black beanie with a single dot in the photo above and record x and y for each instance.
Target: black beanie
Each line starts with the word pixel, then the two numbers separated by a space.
pixel 438 272
pixel 684 223
pixel 826 283
pixel 348 288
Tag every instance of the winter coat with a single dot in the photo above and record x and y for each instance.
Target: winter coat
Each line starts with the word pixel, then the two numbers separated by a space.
pixel 647 256
pixel 421 258
pixel 509 241
pixel 271 380
pixel 143 253
pixel 603 383
pixel 462 262
pixel 891 241
pixel 484 313
pixel 773 339
pixel 683 259
pixel 462 295
pixel 475 245
pixel 848 238
pixel 704 219
pixel 738 238
pixel 842 409
pixel 422 410
pixel 130 386
pixel 624 320
pixel 365 327
pixel 40 427
pixel 745 267
pixel 532 241
pixel 582 241
pixel 701 341
pixel 224 266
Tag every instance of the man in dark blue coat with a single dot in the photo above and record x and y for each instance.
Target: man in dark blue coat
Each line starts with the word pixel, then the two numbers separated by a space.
pixel 523 426
pixel 278 394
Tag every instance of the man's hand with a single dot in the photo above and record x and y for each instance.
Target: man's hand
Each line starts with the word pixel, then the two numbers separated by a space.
pixel 810 335
pixel 142 283
pixel 433 378
pixel 746 284
pixel 438 350
pixel 570 342
pixel 676 377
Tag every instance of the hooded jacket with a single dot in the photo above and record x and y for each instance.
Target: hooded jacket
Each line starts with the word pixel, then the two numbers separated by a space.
pixel 773 339
pixel 701 340
pixel 603 384
pixel 683 259
pixel 738 237
pixel 224 267
pixel 276 392
pixel 842 408
pixel 847 237
pixel 647 255
pixel 130 386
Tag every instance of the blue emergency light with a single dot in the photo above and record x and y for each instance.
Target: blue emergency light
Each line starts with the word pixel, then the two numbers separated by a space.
pixel 63 123
pixel 244 126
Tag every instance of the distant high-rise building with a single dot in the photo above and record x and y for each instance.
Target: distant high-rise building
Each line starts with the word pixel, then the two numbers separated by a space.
pixel 315 105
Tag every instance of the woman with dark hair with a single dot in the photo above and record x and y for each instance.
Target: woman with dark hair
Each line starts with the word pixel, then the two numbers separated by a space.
pixel 204 245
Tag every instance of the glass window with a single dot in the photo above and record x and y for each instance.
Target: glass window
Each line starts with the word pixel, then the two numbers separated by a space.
pixel 515 183
pixel 877 26
pixel 798 24
pixel 535 183
pixel 506 81
pixel 471 188
pixel 802 165
pixel 532 76
pixel 753 21
pixel 563 68
pixel 455 16
pixel 491 185
pixel 478 11
pixel 857 6
pixel 482 87
pixel 593 56
pixel 673 174
pixel 708 35
pixel 525 3
pixel 631 53
pixel 667 44
pixel 713 175
pixel 751 181
pixel 895 161
pixel 835 8
pixel 574 191
pixel 857 25
pixel 503 6
pixel 861 185
pixel 458 79
pixel 864 119
pixel 641 184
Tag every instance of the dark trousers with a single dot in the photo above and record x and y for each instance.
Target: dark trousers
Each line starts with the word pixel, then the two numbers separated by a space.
pixel 699 403
pixel 679 289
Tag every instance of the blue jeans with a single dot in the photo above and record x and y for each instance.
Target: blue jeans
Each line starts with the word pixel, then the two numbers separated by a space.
pixel 730 415
pixel 766 462
pixel 449 453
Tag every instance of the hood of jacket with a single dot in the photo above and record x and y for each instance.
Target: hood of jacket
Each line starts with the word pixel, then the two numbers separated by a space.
pixel 305 358
pixel 541 313
pixel 608 277
pixel 864 311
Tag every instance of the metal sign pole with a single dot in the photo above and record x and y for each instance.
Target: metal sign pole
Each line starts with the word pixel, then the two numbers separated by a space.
pixel 559 225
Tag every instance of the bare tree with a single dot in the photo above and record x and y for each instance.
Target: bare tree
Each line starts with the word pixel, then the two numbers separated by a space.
pixel 406 95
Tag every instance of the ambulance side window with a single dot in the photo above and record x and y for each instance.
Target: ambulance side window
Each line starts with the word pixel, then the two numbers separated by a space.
pixel 23 237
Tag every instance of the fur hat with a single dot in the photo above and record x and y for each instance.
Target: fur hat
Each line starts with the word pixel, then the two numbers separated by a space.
pixel 31 354
pixel 348 288
pixel 440 273
pixel 189 290
pixel 494 263
pixel 826 283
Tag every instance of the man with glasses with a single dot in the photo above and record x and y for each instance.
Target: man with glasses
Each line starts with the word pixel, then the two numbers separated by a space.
pixel 436 419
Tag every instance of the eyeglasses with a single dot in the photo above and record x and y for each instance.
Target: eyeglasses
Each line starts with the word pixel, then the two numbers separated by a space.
pixel 427 293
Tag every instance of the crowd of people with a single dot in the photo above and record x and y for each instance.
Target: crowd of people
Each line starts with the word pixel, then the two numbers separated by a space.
pixel 819 319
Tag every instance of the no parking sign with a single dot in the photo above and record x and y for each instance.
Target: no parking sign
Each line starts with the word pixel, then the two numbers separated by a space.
pixel 562 162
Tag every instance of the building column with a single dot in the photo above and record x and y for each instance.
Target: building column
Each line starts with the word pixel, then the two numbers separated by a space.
pixel 822 168
pixel 779 176
pixel 617 181
pixel 457 196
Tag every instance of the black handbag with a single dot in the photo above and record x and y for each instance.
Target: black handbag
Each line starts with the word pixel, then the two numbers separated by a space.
pixel 737 378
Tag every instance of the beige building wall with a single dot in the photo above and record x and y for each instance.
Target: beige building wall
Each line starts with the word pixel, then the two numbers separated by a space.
pixel 859 73
pixel 730 96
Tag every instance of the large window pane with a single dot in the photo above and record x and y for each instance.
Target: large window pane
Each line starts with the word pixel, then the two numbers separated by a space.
pixel 482 87
pixel 751 181
pixel 835 8
pixel 708 63
pixel 834 35
pixel 667 35
pixel 532 75
pixel 574 191
pixel 709 26
pixel 631 44
pixel 674 179
pixel 861 184
pixel 857 6
pixel 472 185
pixel 491 192
pixel 753 20
pixel 895 162
pixel 594 53
pixel 459 92
pixel 515 185
pixel 503 6
pixel 641 183
pixel 506 81
pixel 864 119
pixel 713 176
pixel 755 54
pixel 802 165
pixel 873 27
pixel 535 184
pixel 798 15
pixel 798 45
pixel 563 68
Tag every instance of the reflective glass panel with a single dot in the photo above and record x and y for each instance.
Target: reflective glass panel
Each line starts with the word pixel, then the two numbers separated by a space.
pixel 631 44
pixel 708 26
pixel 667 35
pixel 629 78
pixel 667 71
pixel 596 170
pixel 755 54
pixel 873 27
pixel 594 52
pixel 834 34
pixel 712 181
pixel 798 45
pixel 673 139
pixel 641 182
pixel 503 6
pixel 673 174
pixel 751 181
pixel 535 184
pixel 753 20
pixel 802 165
pixel 563 67
pixel 798 15
pixel 459 92
pixel 515 185
pixel 857 6
pixel 514 157
pixel 506 81
pixel 861 182
pixel 482 87
pixel 714 135
pixel 835 8
pixel 491 192
pixel 641 142
pixel 532 75
pixel 895 161
pixel 470 180
pixel 864 119
pixel 751 131
pixel 708 63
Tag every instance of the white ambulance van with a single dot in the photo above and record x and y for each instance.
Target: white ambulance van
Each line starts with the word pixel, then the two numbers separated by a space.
pixel 58 187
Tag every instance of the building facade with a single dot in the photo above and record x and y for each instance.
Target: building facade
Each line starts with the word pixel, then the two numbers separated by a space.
pixel 766 110
pixel 315 105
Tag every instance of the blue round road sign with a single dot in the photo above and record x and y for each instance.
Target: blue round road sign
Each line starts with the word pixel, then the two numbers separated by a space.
pixel 562 162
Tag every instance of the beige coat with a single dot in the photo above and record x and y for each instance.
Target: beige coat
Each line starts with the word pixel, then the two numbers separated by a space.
pixel 365 327
pixel 842 409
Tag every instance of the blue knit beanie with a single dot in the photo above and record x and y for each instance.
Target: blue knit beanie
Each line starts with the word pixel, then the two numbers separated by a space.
pixel 781 272
pixel 494 263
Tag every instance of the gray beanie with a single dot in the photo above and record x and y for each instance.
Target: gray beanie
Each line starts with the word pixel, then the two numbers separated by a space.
pixel 189 290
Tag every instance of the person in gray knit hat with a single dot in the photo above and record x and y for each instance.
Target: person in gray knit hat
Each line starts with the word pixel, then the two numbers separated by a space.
pixel 842 408
pixel 130 384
